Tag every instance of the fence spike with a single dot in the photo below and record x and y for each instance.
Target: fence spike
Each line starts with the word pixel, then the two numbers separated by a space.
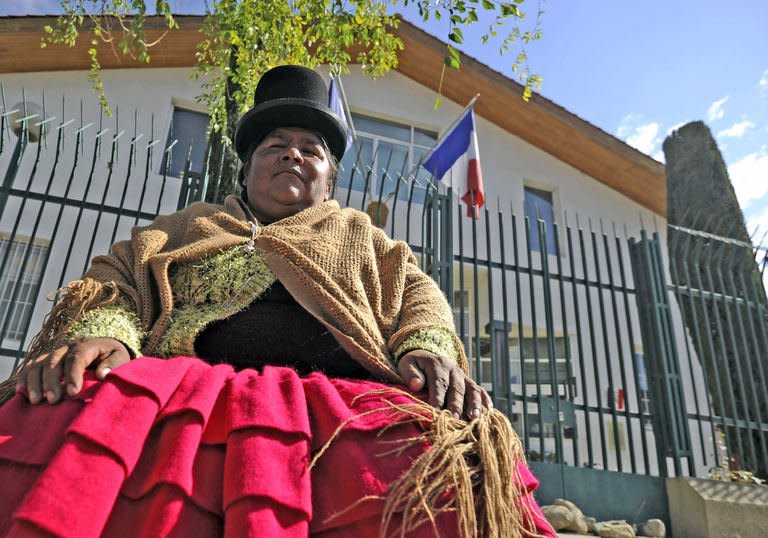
pixel 697 252
pixel 686 240
pixel 9 112
pixel 43 123
pixel 152 141
pixel 118 134
pixel 136 135
pixel 83 127
pixel 760 243
pixel 101 124
pixel 82 120
pixel 65 124
pixel 5 123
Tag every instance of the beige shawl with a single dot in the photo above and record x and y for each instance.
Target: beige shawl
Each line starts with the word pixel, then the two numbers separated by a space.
pixel 364 287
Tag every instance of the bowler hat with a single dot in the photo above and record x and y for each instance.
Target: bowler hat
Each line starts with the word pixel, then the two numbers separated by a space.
pixel 290 96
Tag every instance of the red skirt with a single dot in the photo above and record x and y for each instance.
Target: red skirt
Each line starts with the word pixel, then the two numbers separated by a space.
pixel 182 448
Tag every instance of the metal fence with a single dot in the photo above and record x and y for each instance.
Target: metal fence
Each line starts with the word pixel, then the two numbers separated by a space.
pixel 719 287
pixel 578 330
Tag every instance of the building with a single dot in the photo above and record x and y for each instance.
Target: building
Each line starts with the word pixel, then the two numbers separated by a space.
pixel 551 303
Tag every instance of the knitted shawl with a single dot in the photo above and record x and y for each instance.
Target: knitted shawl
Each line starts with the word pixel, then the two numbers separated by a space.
pixel 364 287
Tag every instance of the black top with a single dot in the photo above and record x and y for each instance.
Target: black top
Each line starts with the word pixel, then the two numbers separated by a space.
pixel 276 330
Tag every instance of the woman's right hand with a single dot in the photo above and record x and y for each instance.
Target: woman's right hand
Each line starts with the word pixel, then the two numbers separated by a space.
pixel 48 375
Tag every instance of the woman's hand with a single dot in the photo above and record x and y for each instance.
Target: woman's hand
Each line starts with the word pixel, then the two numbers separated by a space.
pixel 49 374
pixel 447 384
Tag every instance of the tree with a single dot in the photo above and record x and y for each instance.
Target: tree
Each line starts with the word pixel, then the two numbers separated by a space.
pixel 244 38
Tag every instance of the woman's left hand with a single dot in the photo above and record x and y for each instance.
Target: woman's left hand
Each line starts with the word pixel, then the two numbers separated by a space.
pixel 447 384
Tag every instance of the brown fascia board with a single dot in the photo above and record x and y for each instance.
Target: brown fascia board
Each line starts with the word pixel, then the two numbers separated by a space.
pixel 20 51
pixel 540 122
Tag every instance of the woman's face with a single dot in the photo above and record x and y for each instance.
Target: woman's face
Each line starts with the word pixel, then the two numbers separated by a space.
pixel 288 171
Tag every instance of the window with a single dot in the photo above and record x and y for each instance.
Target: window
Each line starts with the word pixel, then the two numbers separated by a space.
pixel 539 206
pixel 190 130
pixel 21 282
pixel 530 364
pixel 548 428
pixel 385 151
pixel 536 360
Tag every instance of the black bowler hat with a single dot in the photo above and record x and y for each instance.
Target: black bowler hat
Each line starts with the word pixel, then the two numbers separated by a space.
pixel 290 96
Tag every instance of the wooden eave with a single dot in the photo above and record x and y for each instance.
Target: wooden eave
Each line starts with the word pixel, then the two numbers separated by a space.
pixel 540 122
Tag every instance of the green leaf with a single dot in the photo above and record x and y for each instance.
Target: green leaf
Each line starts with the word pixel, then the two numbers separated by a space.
pixel 241 39
pixel 509 10
pixel 453 58
pixel 456 36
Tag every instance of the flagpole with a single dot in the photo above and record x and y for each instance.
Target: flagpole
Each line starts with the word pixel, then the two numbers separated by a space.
pixel 347 112
pixel 348 115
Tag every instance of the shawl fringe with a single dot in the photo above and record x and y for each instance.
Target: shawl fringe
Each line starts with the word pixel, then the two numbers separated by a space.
pixel 471 468
pixel 71 302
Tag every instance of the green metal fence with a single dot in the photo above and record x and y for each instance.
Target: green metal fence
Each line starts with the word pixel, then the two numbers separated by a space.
pixel 584 335
pixel 719 287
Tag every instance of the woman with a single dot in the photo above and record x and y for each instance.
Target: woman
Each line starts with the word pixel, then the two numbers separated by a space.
pixel 279 284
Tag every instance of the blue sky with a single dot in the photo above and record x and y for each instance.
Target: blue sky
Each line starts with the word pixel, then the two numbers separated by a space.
pixel 639 69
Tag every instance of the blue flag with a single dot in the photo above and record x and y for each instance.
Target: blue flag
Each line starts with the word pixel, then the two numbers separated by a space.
pixel 336 104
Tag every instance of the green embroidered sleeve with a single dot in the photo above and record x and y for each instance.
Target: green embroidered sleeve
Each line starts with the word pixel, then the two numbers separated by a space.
pixel 208 290
pixel 434 339
pixel 111 321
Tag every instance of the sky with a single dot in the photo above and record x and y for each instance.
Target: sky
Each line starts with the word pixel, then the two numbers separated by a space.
pixel 638 70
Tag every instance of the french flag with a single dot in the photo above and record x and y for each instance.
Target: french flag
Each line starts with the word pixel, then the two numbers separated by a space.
pixel 457 151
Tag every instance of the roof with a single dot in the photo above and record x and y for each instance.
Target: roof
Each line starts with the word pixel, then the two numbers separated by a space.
pixel 540 122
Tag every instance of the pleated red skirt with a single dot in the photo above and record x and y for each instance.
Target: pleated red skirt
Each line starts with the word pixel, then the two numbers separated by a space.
pixel 182 448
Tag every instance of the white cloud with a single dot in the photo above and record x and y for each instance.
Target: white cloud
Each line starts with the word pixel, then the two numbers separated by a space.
pixel 645 138
pixel 640 134
pixel 736 130
pixel 749 176
pixel 764 80
pixel 675 127
pixel 715 110
pixel 757 223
